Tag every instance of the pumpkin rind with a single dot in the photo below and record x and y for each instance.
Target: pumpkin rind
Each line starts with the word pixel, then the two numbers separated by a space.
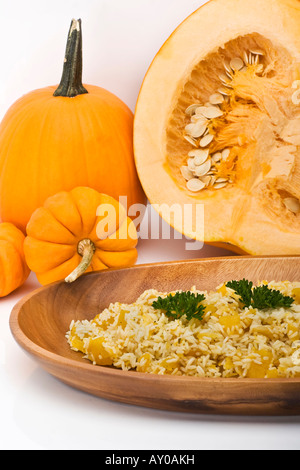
pixel 55 231
pixel 234 215
pixel 13 268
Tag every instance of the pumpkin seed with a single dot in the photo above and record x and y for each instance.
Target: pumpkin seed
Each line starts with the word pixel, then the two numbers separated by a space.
pixel 189 128
pixel 224 79
pixel 195 185
pixel 236 64
pixel 296 84
pixel 199 118
pixel 206 180
pixel 199 112
pixel 212 112
pixel 292 204
pixel 202 170
pixel 225 154
pixel 221 180
pixel 191 164
pixel 229 75
pixel 220 185
pixel 186 173
pixel 227 67
pixel 190 140
pixel 224 91
pixel 195 153
pixel 216 98
pixel 200 156
pixel 216 157
pixel 212 180
pixel 196 130
pixel 257 52
pixel 191 109
pixel 296 97
pixel 206 140
pixel 246 57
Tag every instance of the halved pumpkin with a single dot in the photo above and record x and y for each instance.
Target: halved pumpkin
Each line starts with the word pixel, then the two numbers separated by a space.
pixel 217 125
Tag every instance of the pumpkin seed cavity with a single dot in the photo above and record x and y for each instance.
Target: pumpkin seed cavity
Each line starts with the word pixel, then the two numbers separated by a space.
pixel 239 115
pixel 204 118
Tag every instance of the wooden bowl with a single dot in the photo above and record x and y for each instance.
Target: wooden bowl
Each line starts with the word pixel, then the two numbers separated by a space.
pixel 40 321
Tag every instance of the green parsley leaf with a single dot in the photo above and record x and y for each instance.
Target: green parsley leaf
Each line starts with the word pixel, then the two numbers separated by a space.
pixel 244 289
pixel 180 304
pixel 260 297
pixel 263 297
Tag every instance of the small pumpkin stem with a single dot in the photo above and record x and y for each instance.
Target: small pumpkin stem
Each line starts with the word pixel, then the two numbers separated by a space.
pixel 71 80
pixel 86 249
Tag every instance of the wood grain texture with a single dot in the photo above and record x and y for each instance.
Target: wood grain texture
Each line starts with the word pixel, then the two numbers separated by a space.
pixel 40 321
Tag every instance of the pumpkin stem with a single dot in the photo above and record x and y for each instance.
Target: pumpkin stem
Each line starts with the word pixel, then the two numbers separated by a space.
pixel 86 249
pixel 71 80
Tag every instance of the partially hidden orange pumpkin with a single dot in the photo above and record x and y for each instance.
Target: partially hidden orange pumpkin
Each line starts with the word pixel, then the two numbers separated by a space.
pixel 76 232
pixel 13 268
pixel 57 138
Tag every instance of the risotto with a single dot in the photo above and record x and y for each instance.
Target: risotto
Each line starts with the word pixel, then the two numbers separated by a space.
pixel 229 341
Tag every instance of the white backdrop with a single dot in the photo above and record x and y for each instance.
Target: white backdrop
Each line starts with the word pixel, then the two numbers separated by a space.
pixel 120 39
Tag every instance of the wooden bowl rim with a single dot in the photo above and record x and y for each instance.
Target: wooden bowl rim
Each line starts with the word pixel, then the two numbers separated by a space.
pixel 58 360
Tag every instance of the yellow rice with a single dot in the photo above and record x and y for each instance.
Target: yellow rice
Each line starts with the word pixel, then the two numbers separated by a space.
pixel 230 341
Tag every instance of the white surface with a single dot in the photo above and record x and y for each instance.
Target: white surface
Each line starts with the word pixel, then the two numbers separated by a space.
pixel 37 411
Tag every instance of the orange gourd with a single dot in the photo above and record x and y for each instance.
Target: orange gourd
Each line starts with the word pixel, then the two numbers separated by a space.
pixel 76 232
pixel 217 127
pixel 57 138
pixel 13 268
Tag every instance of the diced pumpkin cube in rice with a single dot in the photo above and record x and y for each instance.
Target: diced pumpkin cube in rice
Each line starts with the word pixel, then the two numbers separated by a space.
pixel 144 362
pixel 293 332
pixel 228 364
pixel 262 330
pixel 76 343
pixel 230 320
pixel 99 352
pixel 103 322
pixel 259 371
pixel 296 294
pixel 272 374
pixel 170 363
pixel 121 320
pixel 222 290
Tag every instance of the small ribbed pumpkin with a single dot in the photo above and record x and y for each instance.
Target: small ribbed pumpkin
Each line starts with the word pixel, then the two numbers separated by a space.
pixel 57 138
pixel 76 232
pixel 13 268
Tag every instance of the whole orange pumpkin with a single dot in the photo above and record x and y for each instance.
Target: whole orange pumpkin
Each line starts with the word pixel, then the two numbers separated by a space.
pixel 76 232
pixel 55 139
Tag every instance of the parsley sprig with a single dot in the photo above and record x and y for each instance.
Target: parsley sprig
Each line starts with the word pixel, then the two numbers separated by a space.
pixel 260 297
pixel 244 289
pixel 180 304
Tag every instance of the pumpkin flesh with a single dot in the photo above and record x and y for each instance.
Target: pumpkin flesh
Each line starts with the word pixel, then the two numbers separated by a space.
pixel 260 124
